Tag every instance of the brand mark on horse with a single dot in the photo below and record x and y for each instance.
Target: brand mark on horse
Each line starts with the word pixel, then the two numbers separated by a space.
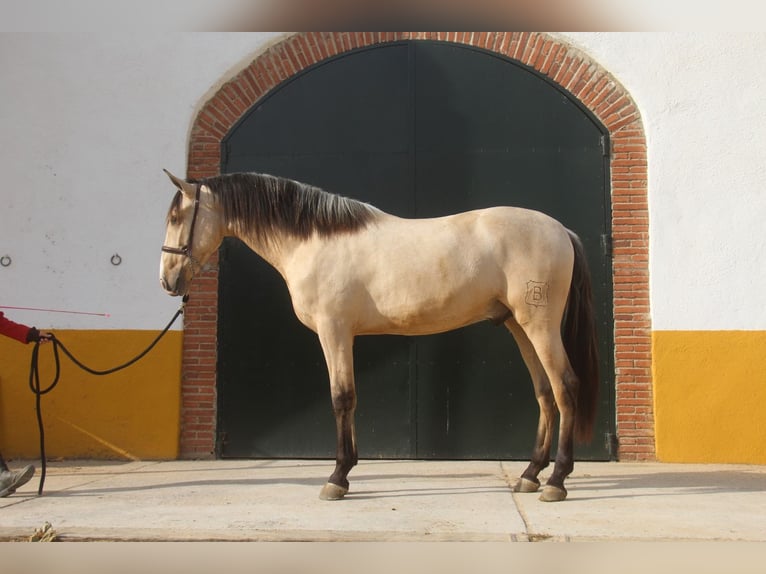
pixel 537 293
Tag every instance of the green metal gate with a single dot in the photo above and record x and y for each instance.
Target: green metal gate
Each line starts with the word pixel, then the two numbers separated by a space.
pixel 419 129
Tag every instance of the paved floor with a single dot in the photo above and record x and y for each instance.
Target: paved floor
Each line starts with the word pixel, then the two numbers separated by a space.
pixel 267 500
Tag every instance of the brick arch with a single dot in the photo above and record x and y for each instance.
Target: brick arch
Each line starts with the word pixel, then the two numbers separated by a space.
pixel 564 65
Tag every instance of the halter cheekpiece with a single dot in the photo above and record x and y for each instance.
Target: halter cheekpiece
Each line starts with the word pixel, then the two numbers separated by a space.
pixel 186 250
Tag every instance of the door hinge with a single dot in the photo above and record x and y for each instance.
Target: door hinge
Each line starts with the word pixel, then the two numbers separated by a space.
pixel 604 142
pixel 606 244
pixel 225 156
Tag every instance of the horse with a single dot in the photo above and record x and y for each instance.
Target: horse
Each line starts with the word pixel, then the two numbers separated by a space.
pixel 352 269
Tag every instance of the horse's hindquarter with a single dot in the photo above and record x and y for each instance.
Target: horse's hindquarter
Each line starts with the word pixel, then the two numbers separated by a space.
pixel 419 276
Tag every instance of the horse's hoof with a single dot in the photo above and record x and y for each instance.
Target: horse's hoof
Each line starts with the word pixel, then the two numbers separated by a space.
pixel 553 493
pixel 526 485
pixel 332 491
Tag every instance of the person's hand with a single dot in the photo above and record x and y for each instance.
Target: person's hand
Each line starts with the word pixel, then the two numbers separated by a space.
pixel 35 336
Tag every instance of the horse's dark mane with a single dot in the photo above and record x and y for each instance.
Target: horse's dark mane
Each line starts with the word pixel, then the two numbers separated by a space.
pixel 261 204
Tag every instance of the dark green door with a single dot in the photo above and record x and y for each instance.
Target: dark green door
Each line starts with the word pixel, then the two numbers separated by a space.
pixel 419 129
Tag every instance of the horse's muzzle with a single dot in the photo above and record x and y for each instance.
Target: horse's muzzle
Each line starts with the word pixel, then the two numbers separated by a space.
pixel 174 291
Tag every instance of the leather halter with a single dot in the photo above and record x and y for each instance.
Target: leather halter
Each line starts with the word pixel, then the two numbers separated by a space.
pixel 186 250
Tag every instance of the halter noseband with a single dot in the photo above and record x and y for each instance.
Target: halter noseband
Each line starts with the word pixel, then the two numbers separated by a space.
pixel 186 250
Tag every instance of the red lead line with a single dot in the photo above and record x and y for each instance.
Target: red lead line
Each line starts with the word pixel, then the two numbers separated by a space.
pixel 55 311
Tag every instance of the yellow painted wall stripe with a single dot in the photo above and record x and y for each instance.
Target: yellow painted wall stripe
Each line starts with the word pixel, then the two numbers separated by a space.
pixel 132 414
pixel 710 396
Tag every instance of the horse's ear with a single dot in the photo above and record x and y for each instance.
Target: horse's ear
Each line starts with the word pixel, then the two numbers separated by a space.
pixel 186 187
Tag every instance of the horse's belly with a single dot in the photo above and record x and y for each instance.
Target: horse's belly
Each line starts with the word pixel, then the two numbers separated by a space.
pixel 420 314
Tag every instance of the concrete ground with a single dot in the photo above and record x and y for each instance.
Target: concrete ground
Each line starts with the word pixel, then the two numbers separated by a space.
pixel 277 500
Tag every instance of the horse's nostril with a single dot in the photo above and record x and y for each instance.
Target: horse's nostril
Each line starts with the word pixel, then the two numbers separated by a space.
pixel 166 286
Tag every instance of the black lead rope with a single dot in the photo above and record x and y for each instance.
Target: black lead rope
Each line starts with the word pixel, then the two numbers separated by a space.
pixel 34 379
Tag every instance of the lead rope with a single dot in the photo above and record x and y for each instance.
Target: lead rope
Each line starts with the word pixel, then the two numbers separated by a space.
pixel 34 379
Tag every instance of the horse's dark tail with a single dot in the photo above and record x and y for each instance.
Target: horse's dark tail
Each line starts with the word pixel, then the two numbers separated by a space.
pixel 580 342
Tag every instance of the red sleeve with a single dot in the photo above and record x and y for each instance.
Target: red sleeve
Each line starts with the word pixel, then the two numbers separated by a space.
pixel 13 330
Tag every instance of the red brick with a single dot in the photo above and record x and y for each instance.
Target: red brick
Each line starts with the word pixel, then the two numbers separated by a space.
pixel 531 49
pixel 517 44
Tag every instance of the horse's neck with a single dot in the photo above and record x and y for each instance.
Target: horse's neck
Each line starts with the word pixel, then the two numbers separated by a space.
pixel 274 250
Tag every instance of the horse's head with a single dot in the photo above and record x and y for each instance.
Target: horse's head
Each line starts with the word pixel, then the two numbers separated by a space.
pixel 193 232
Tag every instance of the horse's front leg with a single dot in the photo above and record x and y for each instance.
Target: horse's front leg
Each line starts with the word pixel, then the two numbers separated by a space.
pixel 338 350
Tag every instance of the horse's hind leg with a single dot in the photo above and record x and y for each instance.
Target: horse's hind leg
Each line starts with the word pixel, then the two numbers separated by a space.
pixel 542 450
pixel 564 385
pixel 338 351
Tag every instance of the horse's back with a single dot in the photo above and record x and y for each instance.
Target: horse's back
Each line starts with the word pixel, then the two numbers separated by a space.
pixel 519 240
pixel 521 228
pixel 483 242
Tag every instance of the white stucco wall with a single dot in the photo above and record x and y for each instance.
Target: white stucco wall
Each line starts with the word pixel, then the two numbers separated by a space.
pixel 88 121
pixel 701 100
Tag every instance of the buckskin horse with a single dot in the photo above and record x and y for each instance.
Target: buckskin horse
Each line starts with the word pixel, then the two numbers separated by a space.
pixel 352 269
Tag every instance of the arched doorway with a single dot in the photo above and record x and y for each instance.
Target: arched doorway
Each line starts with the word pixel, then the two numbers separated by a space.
pixel 419 129
pixel 418 173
